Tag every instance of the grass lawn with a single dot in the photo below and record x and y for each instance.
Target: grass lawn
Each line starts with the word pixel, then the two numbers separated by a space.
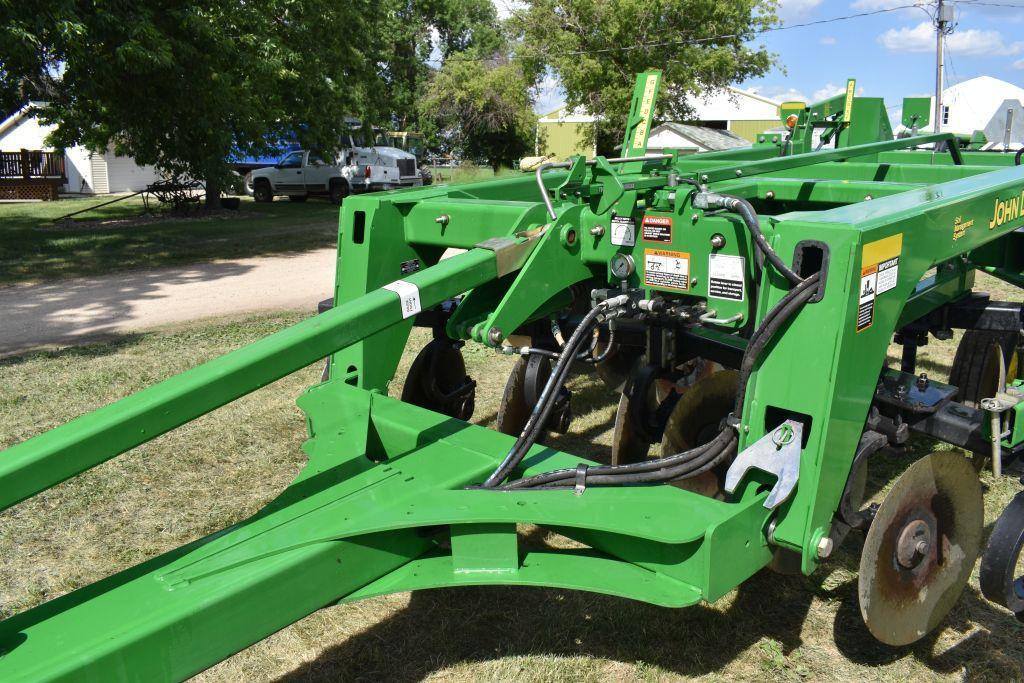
pixel 117 237
pixel 224 466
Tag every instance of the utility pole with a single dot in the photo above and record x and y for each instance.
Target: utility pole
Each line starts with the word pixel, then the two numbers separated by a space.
pixel 943 19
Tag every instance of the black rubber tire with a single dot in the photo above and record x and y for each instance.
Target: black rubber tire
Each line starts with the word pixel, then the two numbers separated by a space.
pixel 339 190
pixel 513 411
pixel 975 370
pixel 261 191
pixel 446 359
pixel 999 580
pixel 298 198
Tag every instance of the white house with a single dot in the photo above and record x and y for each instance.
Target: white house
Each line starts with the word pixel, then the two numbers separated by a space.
pixel 86 172
pixel 980 104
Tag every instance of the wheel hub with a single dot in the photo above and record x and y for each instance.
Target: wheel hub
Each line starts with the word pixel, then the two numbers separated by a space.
pixel 914 543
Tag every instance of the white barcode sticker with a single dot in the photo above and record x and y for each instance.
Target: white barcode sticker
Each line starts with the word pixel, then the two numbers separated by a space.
pixel 408 295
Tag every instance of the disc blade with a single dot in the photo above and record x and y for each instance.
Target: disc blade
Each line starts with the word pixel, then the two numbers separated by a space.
pixel 920 548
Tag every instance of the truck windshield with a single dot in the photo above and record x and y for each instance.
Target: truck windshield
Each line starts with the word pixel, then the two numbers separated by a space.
pixel 293 160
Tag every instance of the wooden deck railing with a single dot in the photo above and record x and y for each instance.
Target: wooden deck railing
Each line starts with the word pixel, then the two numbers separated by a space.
pixel 31 163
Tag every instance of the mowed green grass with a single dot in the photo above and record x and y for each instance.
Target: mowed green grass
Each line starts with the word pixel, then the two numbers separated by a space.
pixel 117 237
pixel 224 466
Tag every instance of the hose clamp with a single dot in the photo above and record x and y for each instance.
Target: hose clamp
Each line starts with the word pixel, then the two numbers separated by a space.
pixel 581 479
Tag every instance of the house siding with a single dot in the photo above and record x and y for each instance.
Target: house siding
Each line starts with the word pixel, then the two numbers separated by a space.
pixel 124 175
pixel 749 130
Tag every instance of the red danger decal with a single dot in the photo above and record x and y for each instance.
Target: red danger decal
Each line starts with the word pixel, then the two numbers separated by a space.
pixel 657 229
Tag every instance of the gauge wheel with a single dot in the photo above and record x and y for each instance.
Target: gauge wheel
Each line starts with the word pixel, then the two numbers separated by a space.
pixel 976 370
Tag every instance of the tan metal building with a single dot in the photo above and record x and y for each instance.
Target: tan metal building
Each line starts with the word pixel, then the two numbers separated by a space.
pixel 741 112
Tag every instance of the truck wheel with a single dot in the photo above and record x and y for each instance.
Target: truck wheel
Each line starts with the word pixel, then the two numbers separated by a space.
pixel 339 190
pixel 261 191
pixel 975 370
pixel 298 197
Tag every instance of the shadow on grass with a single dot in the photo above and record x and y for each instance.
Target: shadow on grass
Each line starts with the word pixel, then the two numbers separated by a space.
pixel 94 349
pixel 445 627
pixel 69 312
pixel 32 248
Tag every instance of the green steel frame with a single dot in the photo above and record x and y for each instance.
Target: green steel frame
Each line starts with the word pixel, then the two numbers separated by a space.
pixel 382 505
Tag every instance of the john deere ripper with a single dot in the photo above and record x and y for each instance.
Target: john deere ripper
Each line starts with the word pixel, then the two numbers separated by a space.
pixel 742 302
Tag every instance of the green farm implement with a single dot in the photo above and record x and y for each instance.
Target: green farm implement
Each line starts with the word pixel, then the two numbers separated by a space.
pixel 739 304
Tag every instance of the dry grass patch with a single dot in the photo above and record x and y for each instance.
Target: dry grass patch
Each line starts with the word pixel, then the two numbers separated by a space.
pixel 224 466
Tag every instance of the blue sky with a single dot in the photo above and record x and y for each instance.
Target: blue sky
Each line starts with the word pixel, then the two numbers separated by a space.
pixel 891 54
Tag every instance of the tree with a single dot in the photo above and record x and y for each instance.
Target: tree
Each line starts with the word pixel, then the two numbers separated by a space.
pixel 415 32
pixel 596 48
pixel 484 106
pixel 184 84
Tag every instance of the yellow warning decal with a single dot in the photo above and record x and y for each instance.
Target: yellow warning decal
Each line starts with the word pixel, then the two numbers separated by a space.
pixel 882 250
pixel 880 267
pixel 666 269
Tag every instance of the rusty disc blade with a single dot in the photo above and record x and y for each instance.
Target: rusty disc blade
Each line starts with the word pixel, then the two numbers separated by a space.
pixel 921 547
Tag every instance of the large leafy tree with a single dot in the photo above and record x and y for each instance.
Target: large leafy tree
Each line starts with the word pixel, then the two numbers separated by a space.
pixel 483 106
pixel 415 33
pixel 596 48
pixel 184 84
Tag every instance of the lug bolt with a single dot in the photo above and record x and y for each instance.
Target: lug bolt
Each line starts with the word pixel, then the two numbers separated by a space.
pixel 597 230
pixel 695 217
pixel 495 336
pixel 718 240
pixel 769 194
pixel 442 219
pixel 922 381
pixel 825 547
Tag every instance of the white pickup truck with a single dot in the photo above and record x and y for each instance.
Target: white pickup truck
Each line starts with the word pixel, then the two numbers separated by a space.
pixel 302 173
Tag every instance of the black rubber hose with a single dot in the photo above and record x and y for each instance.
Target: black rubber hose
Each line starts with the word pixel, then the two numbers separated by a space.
pixel 1017 156
pixel 694 461
pixel 545 403
pixel 776 318
pixel 711 449
pixel 749 216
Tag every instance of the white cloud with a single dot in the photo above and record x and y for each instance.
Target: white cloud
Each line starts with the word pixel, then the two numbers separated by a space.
pixel 830 90
pixel 972 42
pixel 507 7
pixel 780 93
pixel 793 9
pixel 548 95
pixel 828 40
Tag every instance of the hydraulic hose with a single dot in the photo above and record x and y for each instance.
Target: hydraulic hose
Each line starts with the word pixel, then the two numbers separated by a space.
pixel 746 212
pixel 697 460
pixel 545 403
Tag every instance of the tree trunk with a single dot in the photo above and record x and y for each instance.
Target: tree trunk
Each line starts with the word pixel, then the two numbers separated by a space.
pixel 213 194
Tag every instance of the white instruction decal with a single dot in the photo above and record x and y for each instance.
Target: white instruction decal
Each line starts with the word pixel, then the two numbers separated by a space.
pixel 725 277
pixel 888 274
pixel 866 299
pixel 623 231
pixel 408 295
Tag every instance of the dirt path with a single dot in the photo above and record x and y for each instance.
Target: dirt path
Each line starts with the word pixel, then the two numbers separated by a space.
pixel 65 312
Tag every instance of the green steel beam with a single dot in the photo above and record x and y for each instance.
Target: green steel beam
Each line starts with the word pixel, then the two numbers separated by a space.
pixel 50 458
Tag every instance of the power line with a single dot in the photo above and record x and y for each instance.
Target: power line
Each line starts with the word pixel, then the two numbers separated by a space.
pixel 979 3
pixel 708 39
